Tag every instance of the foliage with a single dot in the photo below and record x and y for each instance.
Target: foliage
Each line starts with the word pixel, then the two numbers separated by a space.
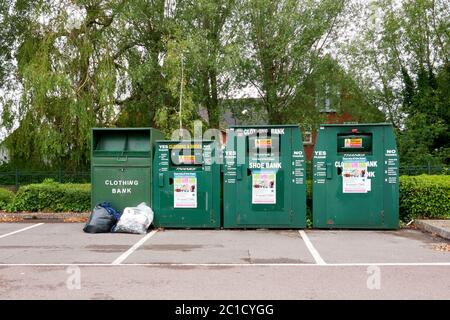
pixel 424 197
pixel 168 116
pixel 309 213
pixel 69 65
pixel 209 50
pixel 72 62
pixel 401 57
pixel 280 42
pixel 427 134
pixel 144 30
pixel 330 88
pixel 420 197
pixel 52 197
pixel 6 197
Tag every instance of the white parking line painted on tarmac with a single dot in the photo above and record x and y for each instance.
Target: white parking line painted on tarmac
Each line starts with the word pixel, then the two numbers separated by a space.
pixel 20 230
pixel 311 248
pixel 381 264
pixel 125 255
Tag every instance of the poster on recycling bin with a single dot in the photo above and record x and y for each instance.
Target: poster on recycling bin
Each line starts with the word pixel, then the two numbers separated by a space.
pixel 185 190
pixel 264 187
pixel 354 176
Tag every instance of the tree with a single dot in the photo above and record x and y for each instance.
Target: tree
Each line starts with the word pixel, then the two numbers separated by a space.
pixel 83 64
pixel 204 28
pixel 329 88
pixel 402 57
pixel 74 65
pixel 110 63
pixel 168 115
pixel 66 67
pixel 426 137
pixel 14 27
pixel 144 30
pixel 69 65
pixel 280 42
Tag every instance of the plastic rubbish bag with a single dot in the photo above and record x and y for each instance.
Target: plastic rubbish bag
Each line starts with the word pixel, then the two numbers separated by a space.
pixel 135 219
pixel 110 210
pixel 100 221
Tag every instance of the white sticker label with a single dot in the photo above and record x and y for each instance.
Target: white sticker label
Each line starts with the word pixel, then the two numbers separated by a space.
pixel 185 190
pixel 354 176
pixel 264 187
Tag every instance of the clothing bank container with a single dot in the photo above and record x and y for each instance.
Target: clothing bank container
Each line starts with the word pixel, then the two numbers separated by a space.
pixel 355 177
pixel 264 177
pixel 121 166
pixel 187 184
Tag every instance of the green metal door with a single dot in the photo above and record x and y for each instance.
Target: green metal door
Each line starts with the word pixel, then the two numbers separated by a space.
pixel 355 177
pixel 264 178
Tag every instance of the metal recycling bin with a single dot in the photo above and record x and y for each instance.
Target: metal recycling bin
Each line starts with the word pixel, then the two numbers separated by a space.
pixel 186 188
pixel 264 177
pixel 355 177
pixel 121 166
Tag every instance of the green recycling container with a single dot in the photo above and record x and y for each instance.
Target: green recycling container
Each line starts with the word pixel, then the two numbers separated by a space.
pixel 264 177
pixel 355 177
pixel 186 188
pixel 121 166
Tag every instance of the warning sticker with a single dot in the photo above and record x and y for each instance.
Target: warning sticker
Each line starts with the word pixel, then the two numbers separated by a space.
pixel 354 176
pixel 263 143
pixel 353 143
pixel 186 159
pixel 264 187
pixel 185 190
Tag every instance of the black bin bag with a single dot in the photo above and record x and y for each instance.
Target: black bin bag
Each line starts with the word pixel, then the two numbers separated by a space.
pixel 100 221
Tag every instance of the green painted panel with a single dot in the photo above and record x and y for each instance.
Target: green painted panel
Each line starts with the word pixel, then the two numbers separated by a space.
pixel 122 186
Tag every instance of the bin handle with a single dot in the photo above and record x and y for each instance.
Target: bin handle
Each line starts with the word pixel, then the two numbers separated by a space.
pixel 206 204
pixel 161 179
pixel 329 171
pixel 239 172
pixel 122 159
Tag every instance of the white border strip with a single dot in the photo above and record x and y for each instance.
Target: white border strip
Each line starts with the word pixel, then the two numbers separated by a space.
pixel 311 248
pixel 125 255
pixel 382 264
pixel 20 230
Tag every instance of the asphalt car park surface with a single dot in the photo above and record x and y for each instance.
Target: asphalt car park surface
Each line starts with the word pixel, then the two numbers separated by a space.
pixel 60 261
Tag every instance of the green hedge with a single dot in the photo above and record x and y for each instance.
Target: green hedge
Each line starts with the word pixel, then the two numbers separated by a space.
pixel 424 197
pixel 420 197
pixel 309 215
pixel 6 197
pixel 51 196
